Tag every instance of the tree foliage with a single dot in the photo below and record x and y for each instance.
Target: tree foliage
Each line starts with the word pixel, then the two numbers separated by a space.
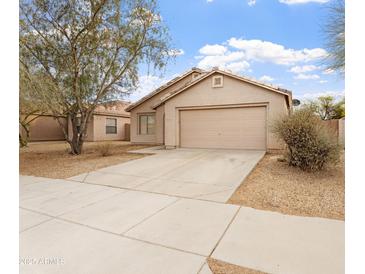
pixel 334 31
pixel 30 107
pixel 88 52
pixel 327 108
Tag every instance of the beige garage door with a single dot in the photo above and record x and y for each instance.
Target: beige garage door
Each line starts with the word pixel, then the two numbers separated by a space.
pixel 243 128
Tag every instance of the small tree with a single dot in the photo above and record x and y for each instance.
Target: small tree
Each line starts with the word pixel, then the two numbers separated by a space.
pixel 89 52
pixel 327 108
pixel 30 108
pixel 310 146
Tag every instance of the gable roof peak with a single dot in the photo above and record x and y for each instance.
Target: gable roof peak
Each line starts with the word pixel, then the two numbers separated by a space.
pixel 163 87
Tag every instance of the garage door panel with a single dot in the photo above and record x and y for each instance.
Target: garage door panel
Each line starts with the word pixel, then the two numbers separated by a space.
pixel 243 128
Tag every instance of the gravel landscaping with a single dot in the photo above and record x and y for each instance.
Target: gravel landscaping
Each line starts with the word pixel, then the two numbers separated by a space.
pixel 275 186
pixel 219 267
pixel 53 160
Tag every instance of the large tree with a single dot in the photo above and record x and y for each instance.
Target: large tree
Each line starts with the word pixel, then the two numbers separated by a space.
pixel 89 52
pixel 334 31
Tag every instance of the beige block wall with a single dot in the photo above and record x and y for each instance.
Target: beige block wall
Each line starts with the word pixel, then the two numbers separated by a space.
pixel 146 107
pixel 100 128
pixel 341 131
pixel 233 92
pixel 46 128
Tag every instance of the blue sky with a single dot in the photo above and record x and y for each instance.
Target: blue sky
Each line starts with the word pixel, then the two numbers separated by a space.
pixel 275 41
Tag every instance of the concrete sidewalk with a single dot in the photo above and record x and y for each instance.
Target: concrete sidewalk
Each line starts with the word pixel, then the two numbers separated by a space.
pixel 72 227
pixel 81 228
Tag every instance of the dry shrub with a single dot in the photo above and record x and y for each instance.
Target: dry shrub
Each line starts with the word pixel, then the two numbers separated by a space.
pixel 105 149
pixel 310 146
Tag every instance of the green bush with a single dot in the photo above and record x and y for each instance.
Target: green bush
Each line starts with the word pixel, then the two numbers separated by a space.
pixel 310 146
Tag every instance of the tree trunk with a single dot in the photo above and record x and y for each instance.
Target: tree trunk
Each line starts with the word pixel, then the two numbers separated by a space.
pixel 77 141
pixel 79 130
pixel 23 140
pixel 76 144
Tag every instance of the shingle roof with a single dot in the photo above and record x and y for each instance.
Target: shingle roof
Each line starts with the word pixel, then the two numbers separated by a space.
pixel 116 108
pixel 163 87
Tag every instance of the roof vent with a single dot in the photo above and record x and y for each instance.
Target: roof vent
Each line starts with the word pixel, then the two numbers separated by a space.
pixel 195 75
pixel 217 81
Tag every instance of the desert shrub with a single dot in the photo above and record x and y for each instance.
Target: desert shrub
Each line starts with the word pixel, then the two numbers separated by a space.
pixel 105 149
pixel 310 146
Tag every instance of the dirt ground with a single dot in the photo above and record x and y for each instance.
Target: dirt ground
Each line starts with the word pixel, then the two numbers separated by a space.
pixel 275 186
pixel 219 267
pixel 53 160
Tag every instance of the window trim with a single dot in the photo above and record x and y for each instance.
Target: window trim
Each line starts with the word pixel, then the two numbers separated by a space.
pixel 139 123
pixel 116 126
pixel 214 85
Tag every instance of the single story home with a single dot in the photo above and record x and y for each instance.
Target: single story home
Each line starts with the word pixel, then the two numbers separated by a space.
pixel 110 121
pixel 210 109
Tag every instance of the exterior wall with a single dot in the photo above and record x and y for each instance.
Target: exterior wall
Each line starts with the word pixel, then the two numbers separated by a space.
pixel 146 107
pixel 337 128
pixel 234 92
pixel 46 128
pixel 99 124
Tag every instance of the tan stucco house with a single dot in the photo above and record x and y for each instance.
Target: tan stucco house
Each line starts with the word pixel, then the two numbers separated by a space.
pixel 210 109
pixel 110 121
pixel 45 128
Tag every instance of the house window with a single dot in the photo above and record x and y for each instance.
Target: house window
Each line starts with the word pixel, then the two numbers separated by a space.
pixel 146 124
pixel 111 126
pixel 217 81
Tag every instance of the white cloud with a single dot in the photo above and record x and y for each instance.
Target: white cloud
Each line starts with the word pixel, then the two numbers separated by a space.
pixel 236 54
pixel 209 1
pixel 233 61
pixel 176 52
pixel 302 76
pixel 251 2
pixel 265 51
pixel 323 81
pixel 303 69
pixel 328 71
pixel 266 78
pixel 213 50
pixel 315 94
pixel 237 66
pixel 147 83
pixel 293 2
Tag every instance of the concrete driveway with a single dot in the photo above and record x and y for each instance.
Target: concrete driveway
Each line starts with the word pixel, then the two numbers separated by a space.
pixel 204 174
pixel 143 225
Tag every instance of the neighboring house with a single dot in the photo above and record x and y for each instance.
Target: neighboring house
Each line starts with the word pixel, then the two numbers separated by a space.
pixel 46 128
pixel 110 122
pixel 210 109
